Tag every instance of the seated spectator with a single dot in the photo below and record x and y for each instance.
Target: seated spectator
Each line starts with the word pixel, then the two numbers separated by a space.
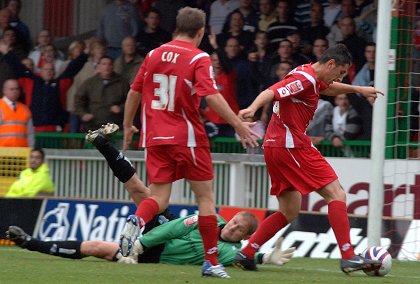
pixel 152 35
pixel 278 30
pixel 302 10
pixel 35 180
pixel 317 126
pixel 45 96
pixel 225 80
pixel 355 44
pixel 96 50
pixel 23 33
pixel 9 38
pixel 318 47
pixel 5 19
pixel 316 29
pixel 296 40
pixel 260 60
pixel 129 62
pixel 101 98
pixel 249 14
pixel 49 54
pixel 345 124
pixel 169 8
pixel 16 127
pixel 331 12
pixel 236 30
pixel 73 51
pixel 28 63
pixel 267 15
pixel 365 77
pixel 44 38
pixel 118 20
pixel 246 84
pixel 219 10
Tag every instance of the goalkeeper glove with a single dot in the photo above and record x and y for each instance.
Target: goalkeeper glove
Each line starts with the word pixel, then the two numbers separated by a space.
pixel 277 256
pixel 133 257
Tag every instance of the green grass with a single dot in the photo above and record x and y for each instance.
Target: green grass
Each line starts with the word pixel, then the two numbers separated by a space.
pixel 21 266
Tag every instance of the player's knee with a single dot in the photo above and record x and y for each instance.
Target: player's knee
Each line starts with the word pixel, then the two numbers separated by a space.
pixel 290 214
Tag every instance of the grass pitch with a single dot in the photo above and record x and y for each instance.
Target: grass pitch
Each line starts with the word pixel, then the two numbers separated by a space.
pixel 22 266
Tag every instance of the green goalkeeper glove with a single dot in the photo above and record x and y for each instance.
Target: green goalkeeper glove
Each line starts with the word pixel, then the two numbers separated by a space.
pixel 277 256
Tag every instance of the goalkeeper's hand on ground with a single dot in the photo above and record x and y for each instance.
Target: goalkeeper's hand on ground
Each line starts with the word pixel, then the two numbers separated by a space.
pixel 278 256
pixel 133 257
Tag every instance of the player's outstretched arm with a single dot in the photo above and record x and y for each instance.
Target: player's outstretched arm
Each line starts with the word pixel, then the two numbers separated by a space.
pixel 337 88
pixel 263 99
pixel 130 109
pixel 219 105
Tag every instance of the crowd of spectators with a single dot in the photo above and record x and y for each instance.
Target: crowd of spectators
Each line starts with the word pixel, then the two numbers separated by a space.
pixel 252 44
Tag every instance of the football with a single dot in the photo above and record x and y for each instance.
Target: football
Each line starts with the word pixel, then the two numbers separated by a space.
pixel 381 254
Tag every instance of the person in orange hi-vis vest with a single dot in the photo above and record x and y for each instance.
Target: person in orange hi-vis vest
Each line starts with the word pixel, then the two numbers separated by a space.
pixel 16 128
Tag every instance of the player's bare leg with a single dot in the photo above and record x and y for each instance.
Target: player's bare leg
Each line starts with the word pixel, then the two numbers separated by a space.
pixel 335 197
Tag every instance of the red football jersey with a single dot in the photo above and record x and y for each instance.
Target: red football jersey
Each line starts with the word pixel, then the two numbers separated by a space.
pixel 171 80
pixel 295 102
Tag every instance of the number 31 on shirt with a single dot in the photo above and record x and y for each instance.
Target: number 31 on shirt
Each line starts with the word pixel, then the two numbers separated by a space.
pixel 165 92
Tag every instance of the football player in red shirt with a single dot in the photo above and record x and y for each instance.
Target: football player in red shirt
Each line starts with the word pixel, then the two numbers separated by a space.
pixel 169 85
pixel 295 166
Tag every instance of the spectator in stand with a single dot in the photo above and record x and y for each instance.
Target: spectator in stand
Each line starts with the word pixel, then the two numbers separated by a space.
pixel 267 15
pixel 219 10
pixel 49 54
pixel 331 12
pixel 250 16
pixel 316 129
pixel 316 28
pixel 236 30
pixel 318 47
pixel 5 19
pixel 73 51
pixel 278 30
pixel 152 35
pixel 118 20
pixel 284 54
pixel 360 4
pixel 169 8
pixel 345 124
pixel 35 180
pixel 16 127
pixel 44 38
pixel 246 84
pixel 28 63
pixel 225 80
pixel 260 59
pixel 302 10
pixel 355 44
pixel 9 38
pixel 365 77
pixel 23 33
pixel 128 64
pixel 101 98
pixel 45 96
pixel 296 40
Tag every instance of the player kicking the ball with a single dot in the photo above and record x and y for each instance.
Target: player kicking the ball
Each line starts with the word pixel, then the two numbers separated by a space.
pixel 295 166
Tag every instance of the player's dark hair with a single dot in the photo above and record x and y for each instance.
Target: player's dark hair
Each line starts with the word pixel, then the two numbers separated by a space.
pixel 339 53
pixel 189 21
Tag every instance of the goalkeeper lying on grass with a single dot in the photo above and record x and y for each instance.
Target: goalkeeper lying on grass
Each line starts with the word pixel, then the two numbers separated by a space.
pixel 175 242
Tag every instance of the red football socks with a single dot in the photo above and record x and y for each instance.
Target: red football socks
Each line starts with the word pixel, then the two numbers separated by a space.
pixel 339 221
pixel 268 228
pixel 207 225
pixel 147 209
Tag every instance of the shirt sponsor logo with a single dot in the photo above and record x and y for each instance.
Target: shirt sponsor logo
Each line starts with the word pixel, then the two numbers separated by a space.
pixel 283 92
pixel 295 87
pixel 191 221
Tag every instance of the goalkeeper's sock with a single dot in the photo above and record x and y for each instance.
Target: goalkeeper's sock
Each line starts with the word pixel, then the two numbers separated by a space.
pixel 339 221
pixel 207 225
pixel 147 209
pixel 119 164
pixel 67 249
pixel 268 228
